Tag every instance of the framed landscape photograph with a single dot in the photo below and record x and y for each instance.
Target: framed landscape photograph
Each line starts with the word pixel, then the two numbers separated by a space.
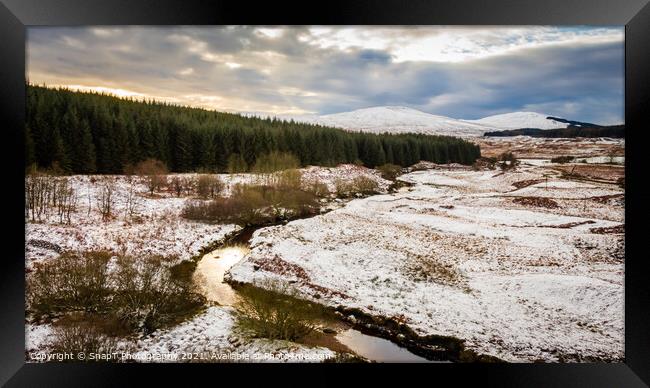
pixel 433 187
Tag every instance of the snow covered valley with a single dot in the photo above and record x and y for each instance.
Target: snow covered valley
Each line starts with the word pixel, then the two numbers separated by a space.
pixel 518 265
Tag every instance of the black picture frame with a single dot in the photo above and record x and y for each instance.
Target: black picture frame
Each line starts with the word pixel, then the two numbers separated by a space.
pixel 16 15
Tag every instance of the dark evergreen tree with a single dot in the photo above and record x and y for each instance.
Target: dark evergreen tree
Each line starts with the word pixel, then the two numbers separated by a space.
pixel 93 132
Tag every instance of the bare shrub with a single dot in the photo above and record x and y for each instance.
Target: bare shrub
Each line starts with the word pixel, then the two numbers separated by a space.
pixel 360 185
pixel 148 296
pixel 254 205
pixel 275 312
pixel 266 166
pixel 176 185
pixel 247 205
pixel 508 161
pixel 343 188
pixel 365 185
pixel 190 183
pixel 38 191
pixel 106 198
pixel 317 188
pixel 142 293
pixel 481 163
pixel 390 171
pixel 131 201
pixel 155 171
pixel 288 202
pixel 209 186
pixel 82 337
pixel 73 281
pixel 66 200
pixel 290 179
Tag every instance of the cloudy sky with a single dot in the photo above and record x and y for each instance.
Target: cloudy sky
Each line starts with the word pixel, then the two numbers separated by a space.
pixel 462 72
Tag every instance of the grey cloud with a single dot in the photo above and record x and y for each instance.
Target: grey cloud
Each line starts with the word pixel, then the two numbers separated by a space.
pixel 582 82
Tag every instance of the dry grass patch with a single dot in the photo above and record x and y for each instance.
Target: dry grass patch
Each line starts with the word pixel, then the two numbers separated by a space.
pixel 537 202
pixel 427 268
pixel 609 230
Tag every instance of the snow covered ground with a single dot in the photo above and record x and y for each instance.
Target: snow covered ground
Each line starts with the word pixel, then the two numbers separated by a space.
pixel 547 148
pixel 516 120
pixel 211 337
pixel 158 228
pixel 155 229
pixel 522 267
pixel 208 337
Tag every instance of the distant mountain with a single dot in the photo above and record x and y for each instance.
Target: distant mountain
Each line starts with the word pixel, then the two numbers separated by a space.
pixel 400 119
pixel 394 119
pixel 517 120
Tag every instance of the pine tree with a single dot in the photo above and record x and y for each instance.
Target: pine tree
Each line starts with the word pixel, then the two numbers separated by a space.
pixel 92 132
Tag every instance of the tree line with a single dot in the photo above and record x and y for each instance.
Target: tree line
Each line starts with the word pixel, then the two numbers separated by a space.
pixel 86 132
pixel 614 131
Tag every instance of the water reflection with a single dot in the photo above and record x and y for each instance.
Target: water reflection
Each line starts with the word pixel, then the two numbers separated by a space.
pixel 210 270
pixel 375 348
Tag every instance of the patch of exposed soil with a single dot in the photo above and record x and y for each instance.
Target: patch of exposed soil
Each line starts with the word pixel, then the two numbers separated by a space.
pixel 423 268
pixel 606 173
pixel 537 202
pixel 278 266
pixel 571 224
pixel 609 230
pixel 526 183
pixel 609 199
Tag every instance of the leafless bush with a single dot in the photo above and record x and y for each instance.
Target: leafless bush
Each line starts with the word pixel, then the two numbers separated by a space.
pixel 67 200
pixel 390 171
pixel 209 186
pixel 290 179
pixel 73 281
pixel 267 166
pixel 182 185
pixel 143 293
pixel 38 188
pixel 155 171
pixel 82 337
pixel 253 205
pixel 106 198
pixel 317 188
pixel 147 295
pixel 276 312
pixel 508 161
pixel 176 184
pixel 131 201
pixel 360 185
pixel 45 192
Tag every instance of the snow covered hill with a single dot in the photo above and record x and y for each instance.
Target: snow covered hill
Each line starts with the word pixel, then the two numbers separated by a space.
pixel 516 120
pixel 399 119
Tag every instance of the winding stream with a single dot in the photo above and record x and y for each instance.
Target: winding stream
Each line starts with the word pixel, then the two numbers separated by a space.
pixel 208 277
pixel 210 270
